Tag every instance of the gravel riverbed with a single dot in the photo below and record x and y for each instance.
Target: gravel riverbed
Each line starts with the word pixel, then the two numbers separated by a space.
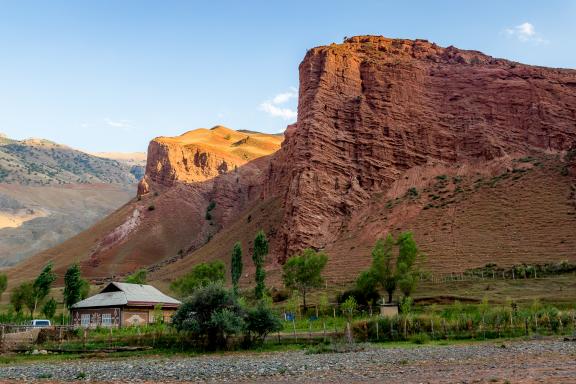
pixel 542 361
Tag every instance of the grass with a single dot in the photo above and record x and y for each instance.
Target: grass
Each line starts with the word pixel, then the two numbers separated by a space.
pixel 556 290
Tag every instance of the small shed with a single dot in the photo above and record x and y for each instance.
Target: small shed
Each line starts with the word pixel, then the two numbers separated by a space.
pixel 123 304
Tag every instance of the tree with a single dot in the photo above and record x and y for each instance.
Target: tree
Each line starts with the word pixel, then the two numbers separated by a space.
pixel 304 271
pixel 42 285
pixel 75 287
pixel 20 295
pixel 382 265
pixel 3 283
pixel 211 313
pixel 236 266
pixel 24 296
pixel 201 275
pixel 138 277
pixel 258 257
pixel 403 274
pixel 408 253
pixel 261 321
pixel 49 308
pixel 366 291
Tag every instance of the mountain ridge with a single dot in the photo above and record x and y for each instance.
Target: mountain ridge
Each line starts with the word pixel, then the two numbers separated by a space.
pixel 391 135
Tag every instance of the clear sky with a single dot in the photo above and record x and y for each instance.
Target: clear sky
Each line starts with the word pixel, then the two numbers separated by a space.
pixel 109 75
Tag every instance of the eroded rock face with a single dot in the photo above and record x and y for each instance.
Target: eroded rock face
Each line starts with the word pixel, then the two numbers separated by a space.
pixel 372 108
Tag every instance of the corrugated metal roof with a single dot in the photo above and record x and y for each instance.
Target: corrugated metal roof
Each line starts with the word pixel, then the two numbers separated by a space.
pixel 125 293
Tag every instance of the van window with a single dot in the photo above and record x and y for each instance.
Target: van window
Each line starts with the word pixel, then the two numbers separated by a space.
pixel 41 323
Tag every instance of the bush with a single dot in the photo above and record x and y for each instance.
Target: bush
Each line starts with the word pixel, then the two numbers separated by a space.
pixel 279 295
pixel 201 275
pixel 210 315
pixel 420 338
pixel 261 321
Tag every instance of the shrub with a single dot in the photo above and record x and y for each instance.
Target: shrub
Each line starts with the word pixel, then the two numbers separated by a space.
pixel 279 295
pixel 420 338
pixel 211 314
pixel 138 277
pixel 412 192
pixel 201 275
pixel 260 321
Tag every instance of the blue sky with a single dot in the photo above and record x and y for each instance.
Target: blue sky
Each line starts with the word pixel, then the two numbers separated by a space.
pixel 109 75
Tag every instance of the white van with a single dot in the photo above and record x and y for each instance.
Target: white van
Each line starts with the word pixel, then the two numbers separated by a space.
pixel 40 323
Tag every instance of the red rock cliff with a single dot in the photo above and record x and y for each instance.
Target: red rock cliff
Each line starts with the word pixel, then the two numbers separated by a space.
pixel 372 107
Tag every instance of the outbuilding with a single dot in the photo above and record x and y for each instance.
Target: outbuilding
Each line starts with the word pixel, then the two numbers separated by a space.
pixel 123 304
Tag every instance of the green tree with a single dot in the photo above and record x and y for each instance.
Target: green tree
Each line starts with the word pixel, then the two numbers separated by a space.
pixel 49 308
pixel 304 272
pixel 21 295
pixel 42 285
pixel 75 288
pixel 403 274
pixel 383 267
pixel 3 283
pixel 138 277
pixel 258 257
pixel 236 266
pixel 24 296
pixel 408 254
pixel 211 313
pixel 201 275
pixel 260 321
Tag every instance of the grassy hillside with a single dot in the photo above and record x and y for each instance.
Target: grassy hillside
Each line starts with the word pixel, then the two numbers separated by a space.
pixel 42 162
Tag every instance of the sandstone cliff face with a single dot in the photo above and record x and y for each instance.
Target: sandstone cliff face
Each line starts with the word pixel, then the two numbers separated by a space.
pixel 372 108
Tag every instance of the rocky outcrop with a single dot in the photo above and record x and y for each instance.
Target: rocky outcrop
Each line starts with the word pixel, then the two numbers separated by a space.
pixel 209 175
pixel 371 108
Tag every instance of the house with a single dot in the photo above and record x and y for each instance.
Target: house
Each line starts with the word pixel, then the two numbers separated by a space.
pixel 123 304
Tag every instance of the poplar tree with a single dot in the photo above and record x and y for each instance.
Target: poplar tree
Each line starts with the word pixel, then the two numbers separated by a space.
pixel 73 286
pixel 258 256
pixel 236 266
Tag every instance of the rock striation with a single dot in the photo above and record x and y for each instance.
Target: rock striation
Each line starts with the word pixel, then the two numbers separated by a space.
pixel 372 108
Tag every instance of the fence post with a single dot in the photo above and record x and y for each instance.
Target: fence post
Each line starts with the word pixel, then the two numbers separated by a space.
pixel 1 338
pixel 377 338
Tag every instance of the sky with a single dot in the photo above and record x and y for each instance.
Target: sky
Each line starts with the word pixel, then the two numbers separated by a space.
pixel 110 75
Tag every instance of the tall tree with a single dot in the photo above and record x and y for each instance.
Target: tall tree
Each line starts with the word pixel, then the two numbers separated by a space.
pixel 383 266
pixel 258 257
pixel 304 272
pixel 74 286
pixel 408 253
pixel 402 274
pixel 3 283
pixel 236 266
pixel 42 285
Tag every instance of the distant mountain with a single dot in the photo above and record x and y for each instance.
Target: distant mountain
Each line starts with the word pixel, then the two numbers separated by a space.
pixel 50 192
pixel 42 162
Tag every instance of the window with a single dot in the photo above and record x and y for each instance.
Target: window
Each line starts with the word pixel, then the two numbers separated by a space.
pixel 85 320
pixel 106 319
